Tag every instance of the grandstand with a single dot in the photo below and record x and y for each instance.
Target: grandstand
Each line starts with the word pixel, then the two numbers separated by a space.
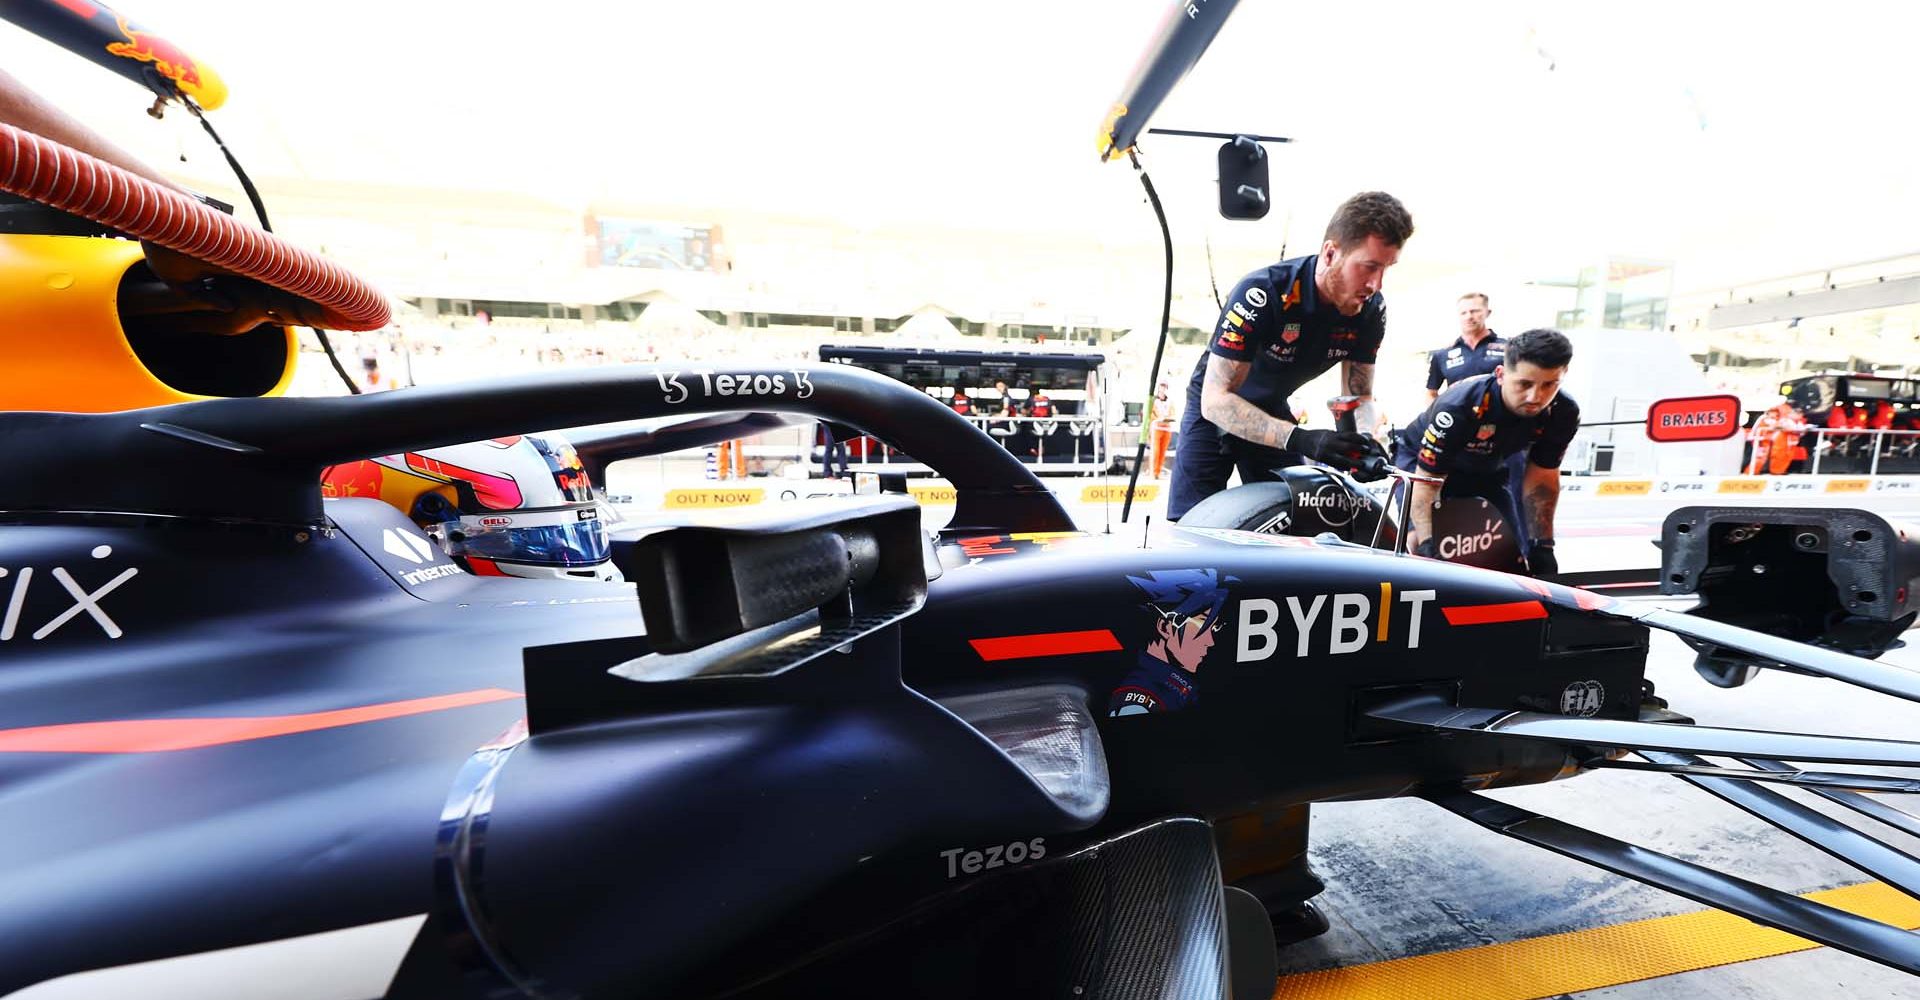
pixel 489 281
pixel 1862 317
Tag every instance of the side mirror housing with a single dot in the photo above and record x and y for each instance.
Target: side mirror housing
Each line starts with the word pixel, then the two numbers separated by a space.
pixel 1244 187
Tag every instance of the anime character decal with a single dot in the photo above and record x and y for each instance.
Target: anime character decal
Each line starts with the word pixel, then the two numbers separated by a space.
pixel 1186 612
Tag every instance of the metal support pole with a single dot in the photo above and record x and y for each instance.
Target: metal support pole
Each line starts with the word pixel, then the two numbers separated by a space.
pixel 1406 518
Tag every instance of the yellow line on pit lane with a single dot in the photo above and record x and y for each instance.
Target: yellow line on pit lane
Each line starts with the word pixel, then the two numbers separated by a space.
pixel 1588 959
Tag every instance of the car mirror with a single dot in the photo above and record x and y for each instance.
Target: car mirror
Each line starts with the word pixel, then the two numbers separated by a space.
pixel 1243 179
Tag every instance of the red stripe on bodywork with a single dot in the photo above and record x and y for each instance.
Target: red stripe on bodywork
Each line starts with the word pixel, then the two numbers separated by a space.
pixel 1491 614
pixel 1583 598
pixel 1021 647
pixel 154 735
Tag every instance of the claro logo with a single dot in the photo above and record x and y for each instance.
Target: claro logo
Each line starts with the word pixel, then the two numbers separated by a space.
pixel 1454 546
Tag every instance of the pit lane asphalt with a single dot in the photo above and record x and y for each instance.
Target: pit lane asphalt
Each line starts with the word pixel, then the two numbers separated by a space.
pixel 1404 878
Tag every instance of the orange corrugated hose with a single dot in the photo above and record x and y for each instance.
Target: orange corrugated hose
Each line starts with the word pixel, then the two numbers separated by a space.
pixel 73 182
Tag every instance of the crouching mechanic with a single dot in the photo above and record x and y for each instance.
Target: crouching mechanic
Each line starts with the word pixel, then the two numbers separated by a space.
pixel 1283 326
pixel 1467 434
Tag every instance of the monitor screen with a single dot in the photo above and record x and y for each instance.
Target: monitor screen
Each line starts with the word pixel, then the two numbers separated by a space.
pixel 1869 388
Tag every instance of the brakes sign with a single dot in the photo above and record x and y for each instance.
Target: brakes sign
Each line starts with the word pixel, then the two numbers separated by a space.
pixel 1694 418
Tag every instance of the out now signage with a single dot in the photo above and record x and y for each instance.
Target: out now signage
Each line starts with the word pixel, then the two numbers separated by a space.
pixel 712 497
pixel 938 496
pixel 1694 418
pixel 1144 493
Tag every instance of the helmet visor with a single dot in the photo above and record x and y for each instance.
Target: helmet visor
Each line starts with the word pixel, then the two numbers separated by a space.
pixel 564 540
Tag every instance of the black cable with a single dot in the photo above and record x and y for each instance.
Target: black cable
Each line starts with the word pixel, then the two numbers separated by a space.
pixel 246 183
pixel 1160 349
pixel 260 212
pixel 1218 303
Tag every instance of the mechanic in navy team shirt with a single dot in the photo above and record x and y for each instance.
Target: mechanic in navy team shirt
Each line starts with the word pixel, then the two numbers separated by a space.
pixel 1283 326
pixel 1477 351
pixel 1467 433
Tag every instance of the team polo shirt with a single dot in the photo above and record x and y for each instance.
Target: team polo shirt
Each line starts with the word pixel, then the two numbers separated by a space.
pixel 1470 430
pixel 1451 364
pixel 1274 320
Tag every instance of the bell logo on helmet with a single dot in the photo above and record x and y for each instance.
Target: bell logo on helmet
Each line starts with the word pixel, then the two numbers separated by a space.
pixel 496 521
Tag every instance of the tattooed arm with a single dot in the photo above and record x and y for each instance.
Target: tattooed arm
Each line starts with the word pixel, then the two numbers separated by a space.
pixel 1358 378
pixel 1425 495
pixel 1540 492
pixel 1227 410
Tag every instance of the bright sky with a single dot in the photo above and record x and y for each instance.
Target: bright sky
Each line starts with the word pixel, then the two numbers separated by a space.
pixel 1742 139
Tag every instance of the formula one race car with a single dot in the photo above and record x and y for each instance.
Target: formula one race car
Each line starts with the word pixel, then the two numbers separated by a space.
pixel 257 743
pixel 252 733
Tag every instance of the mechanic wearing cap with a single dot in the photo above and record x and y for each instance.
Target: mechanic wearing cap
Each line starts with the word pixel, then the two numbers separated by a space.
pixel 1468 432
pixel 1283 326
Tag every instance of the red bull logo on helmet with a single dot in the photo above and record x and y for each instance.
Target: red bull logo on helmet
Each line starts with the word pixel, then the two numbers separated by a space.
pixel 188 75
pixel 352 479
pixel 167 58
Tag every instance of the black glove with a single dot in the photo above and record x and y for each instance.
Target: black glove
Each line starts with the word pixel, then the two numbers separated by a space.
pixel 1428 547
pixel 1541 560
pixel 1341 449
pixel 1372 470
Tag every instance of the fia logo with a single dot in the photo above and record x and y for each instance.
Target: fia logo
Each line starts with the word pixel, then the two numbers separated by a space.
pixel 84 600
pixel 1582 698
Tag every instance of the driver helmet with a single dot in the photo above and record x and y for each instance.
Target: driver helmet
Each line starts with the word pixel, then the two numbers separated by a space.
pixel 511 506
